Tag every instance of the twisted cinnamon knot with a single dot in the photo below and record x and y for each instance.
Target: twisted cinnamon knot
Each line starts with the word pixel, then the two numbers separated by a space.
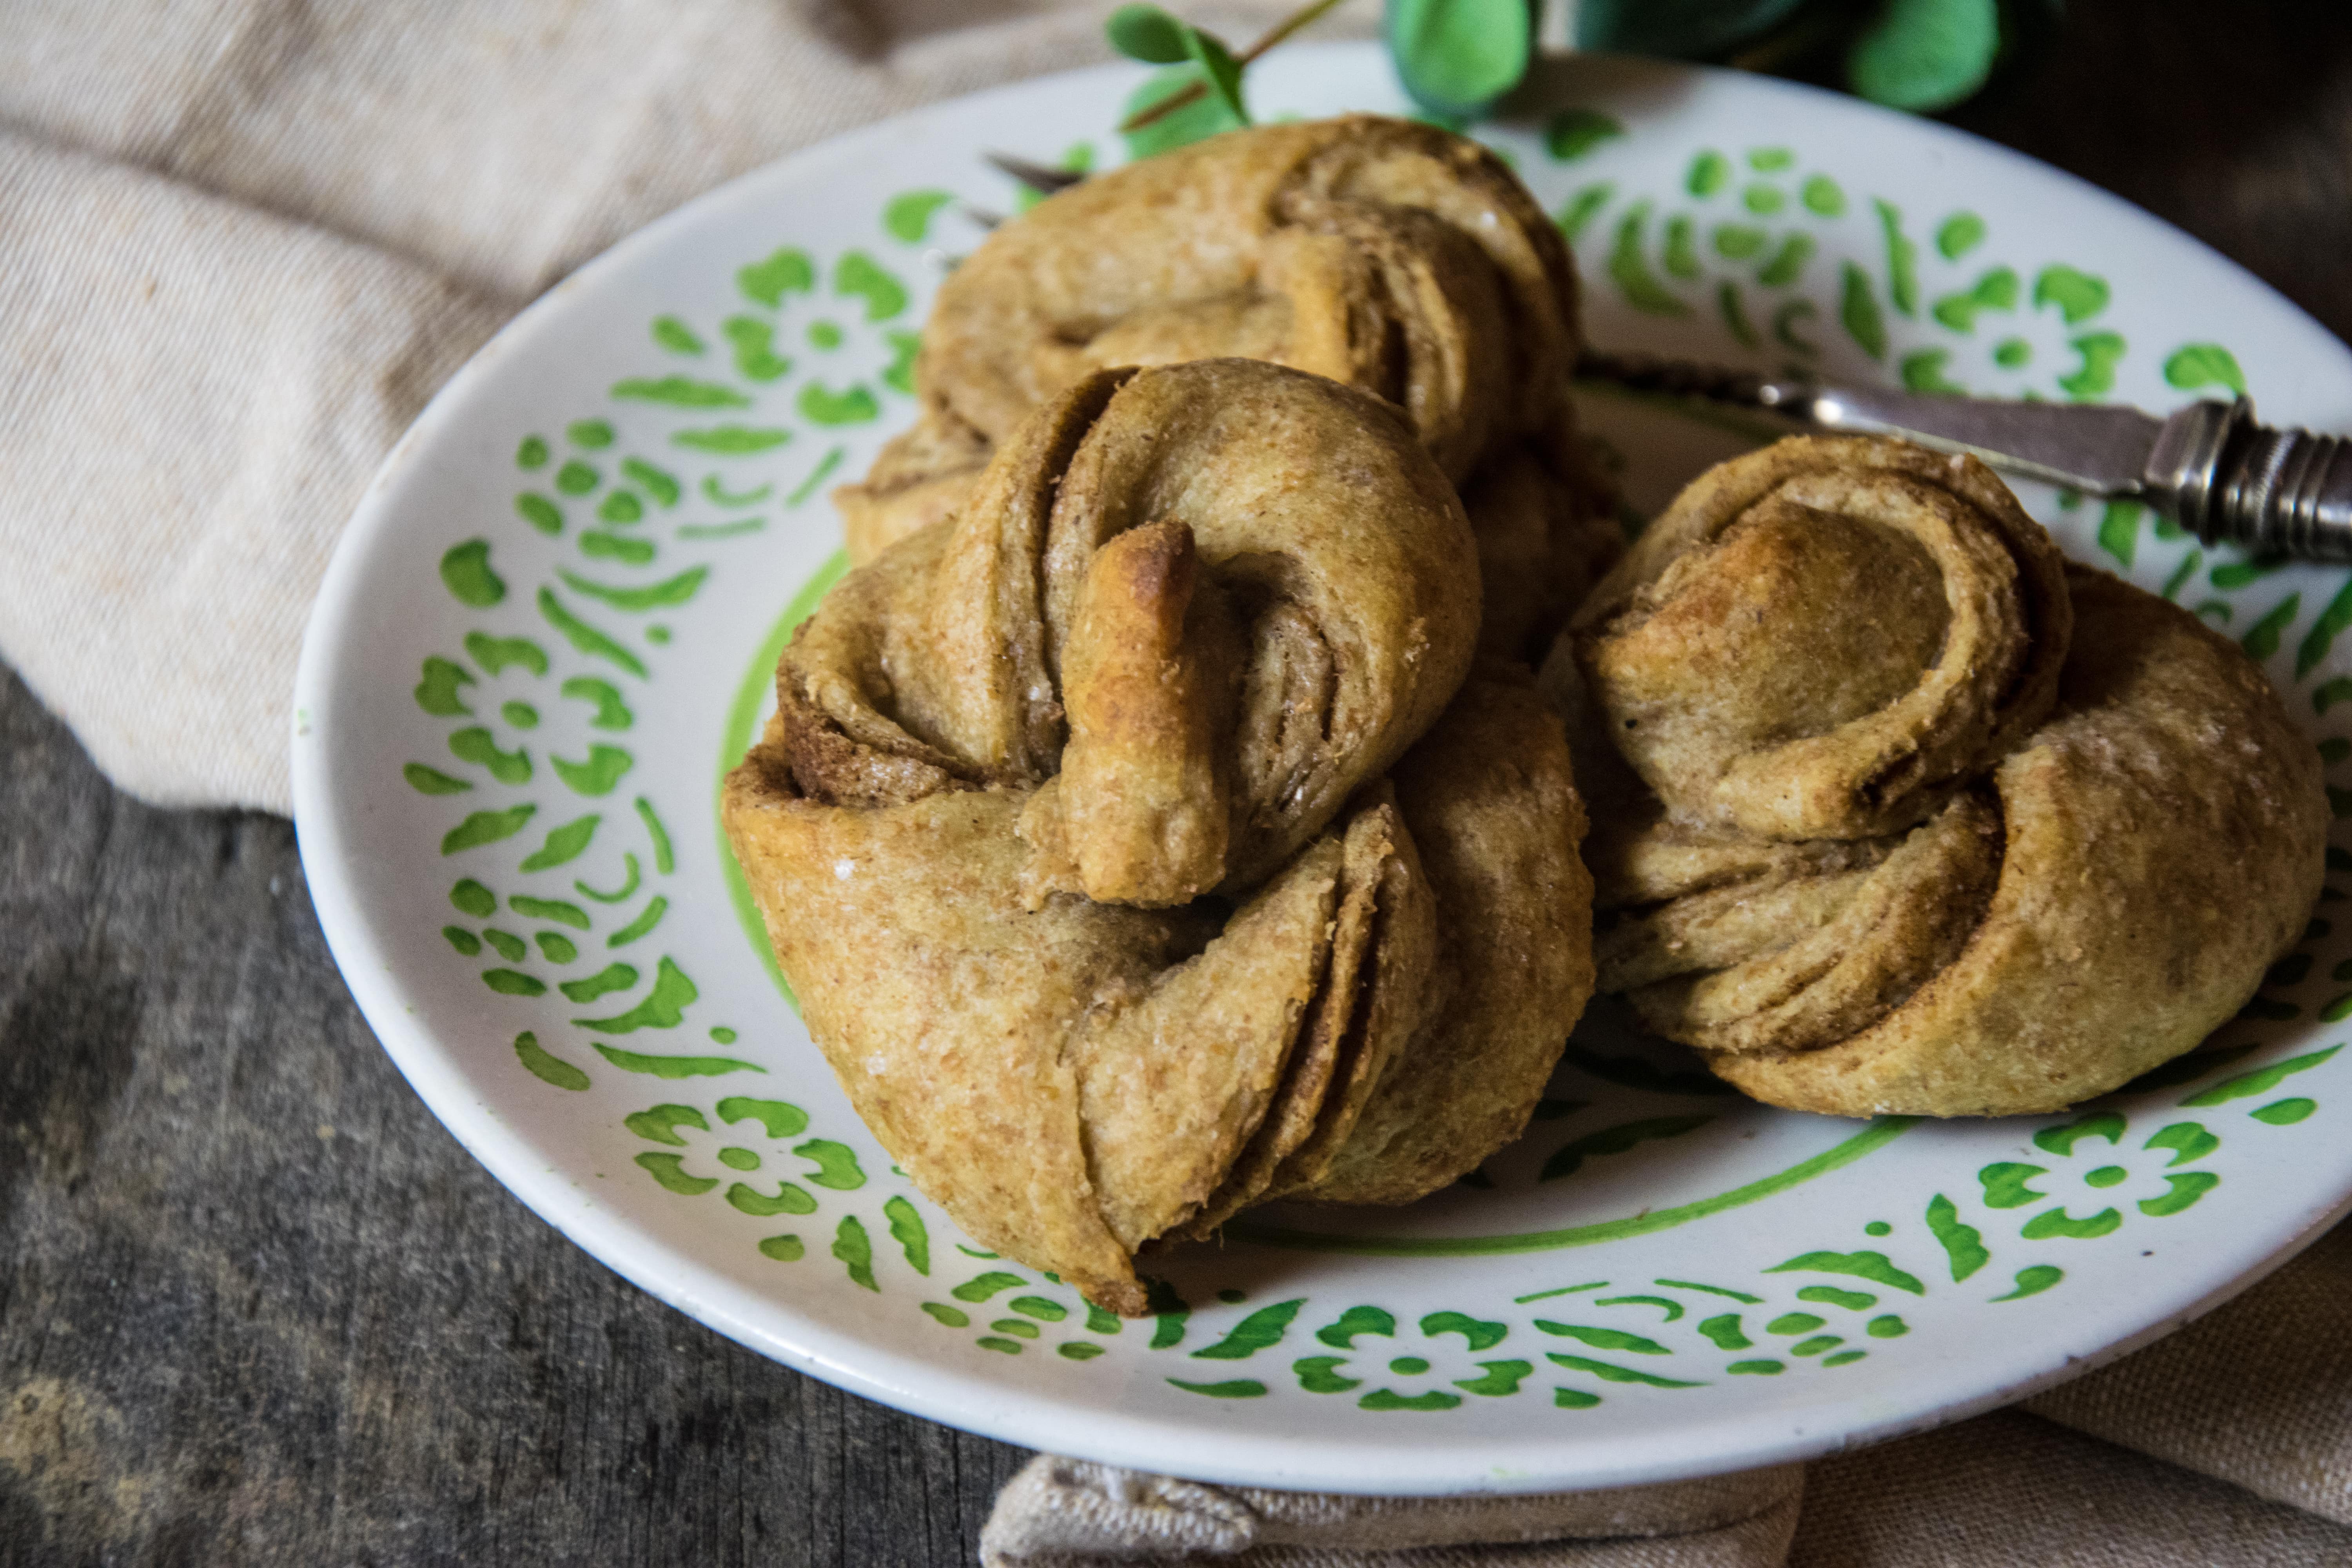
pixel 1122 846
pixel 1384 255
pixel 1898 812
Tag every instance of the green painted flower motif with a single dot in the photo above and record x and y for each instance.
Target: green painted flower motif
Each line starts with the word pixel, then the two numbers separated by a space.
pixel 755 1155
pixel 1009 1312
pixel 1432 1365
pixel 2096 1168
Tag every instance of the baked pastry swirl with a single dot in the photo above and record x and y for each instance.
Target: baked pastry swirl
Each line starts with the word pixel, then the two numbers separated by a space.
pixel 1381 254
pixel 1896 813
pixel 1141 843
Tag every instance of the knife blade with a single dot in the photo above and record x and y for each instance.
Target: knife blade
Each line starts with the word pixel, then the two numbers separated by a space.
pixel 2209 466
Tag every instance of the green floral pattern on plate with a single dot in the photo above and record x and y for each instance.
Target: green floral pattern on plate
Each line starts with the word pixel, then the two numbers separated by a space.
pixel 562 865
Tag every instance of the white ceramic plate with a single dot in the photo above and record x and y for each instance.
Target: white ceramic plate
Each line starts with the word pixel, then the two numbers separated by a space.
pixel 551 624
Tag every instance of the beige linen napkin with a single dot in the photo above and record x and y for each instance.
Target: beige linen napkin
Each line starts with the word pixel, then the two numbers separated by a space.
pixel 2258 1393
pixel 242 241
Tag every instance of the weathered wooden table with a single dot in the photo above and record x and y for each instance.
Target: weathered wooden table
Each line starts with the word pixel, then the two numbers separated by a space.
pixel 256 1307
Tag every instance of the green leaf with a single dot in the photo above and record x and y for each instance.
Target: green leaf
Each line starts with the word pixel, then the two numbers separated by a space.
pixel 1684 29
pixel 1925 54
pixel 1457 57
pixel 1146 33
pixel 1204 117
pixel 1219 69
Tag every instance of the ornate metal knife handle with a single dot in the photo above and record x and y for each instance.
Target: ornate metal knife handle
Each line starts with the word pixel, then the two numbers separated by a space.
pixel 2208 465
pixel 2277 492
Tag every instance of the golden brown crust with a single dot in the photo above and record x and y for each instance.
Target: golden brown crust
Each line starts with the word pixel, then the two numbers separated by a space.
pixel 1826 637
pixel 2164 842
pixel 1218 597
pixel 1491 802
pixel 1385 254
pixel 1822 643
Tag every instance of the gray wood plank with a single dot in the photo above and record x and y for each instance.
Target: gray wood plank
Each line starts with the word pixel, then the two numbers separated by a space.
pixel 256 1306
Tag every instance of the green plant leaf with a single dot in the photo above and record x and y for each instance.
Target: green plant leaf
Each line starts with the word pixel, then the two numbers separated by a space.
pixel 1146 33
pixel 1219 69
pixel 1204 117
pixel 1456 56
pixel 1925 54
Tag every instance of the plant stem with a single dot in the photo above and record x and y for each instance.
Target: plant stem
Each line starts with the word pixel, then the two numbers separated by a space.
pixel 1200 89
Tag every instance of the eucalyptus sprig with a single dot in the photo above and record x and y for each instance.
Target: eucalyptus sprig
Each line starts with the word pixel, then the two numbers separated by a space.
pixel 1458 57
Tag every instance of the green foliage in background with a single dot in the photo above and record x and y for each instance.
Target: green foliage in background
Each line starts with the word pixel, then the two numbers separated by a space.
pixel 1459 59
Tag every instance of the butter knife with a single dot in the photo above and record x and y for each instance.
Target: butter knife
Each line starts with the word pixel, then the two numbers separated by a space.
pixel 2209 466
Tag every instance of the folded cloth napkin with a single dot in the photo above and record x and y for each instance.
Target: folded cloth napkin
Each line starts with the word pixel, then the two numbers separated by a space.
pixel 241 243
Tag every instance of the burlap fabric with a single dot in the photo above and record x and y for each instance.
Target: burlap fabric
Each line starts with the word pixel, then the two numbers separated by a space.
pixel 242 241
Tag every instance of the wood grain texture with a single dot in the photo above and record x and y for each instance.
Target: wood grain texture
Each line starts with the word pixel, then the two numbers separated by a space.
pixel 256 1307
